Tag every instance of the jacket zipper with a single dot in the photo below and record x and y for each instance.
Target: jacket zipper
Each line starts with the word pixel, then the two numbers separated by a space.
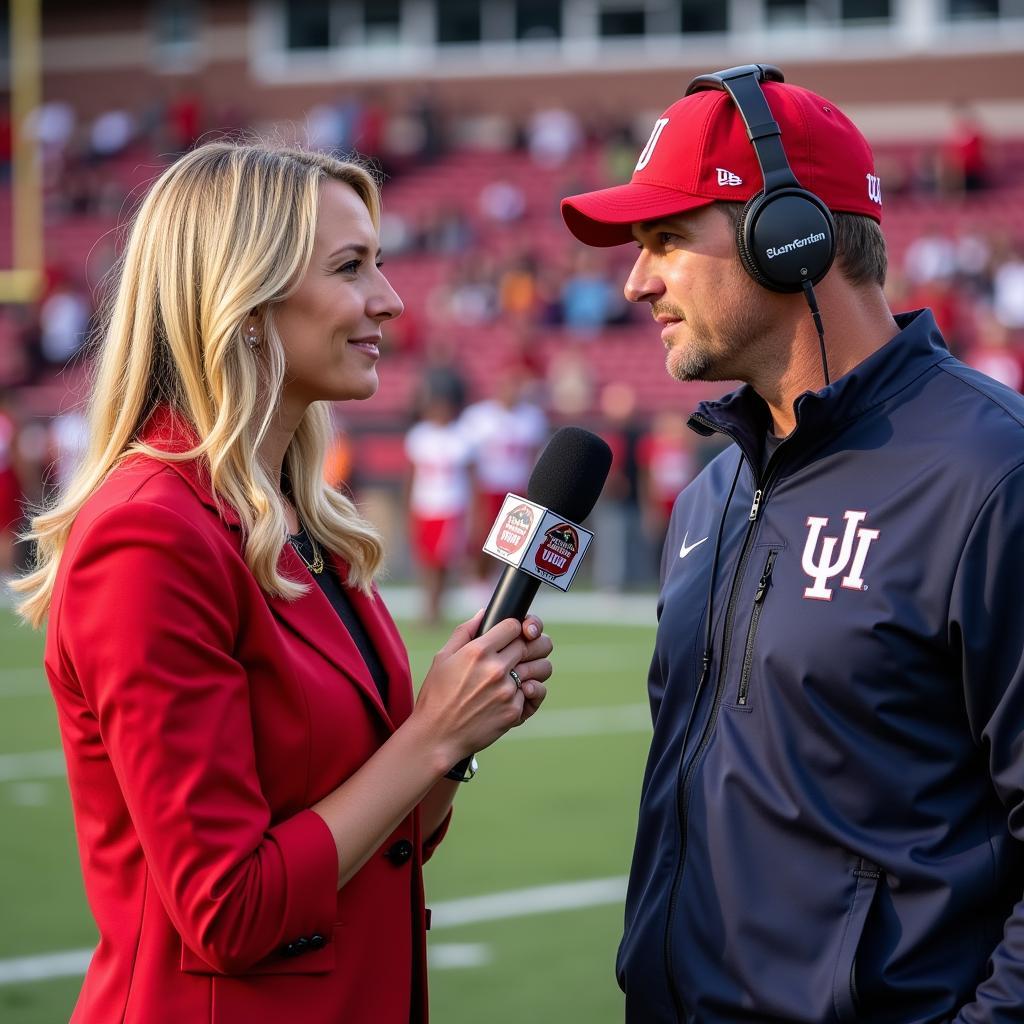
pixel 755 617
pixel 686 778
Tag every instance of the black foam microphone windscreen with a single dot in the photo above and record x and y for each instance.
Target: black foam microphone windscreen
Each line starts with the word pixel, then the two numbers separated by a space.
pixel 570 473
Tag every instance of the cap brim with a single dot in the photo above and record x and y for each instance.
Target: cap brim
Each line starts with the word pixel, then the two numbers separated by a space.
pixel 604 218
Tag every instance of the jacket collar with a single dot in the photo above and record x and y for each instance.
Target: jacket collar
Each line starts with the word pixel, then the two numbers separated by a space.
pixel 310 616
pixel 744 416
pixel 169 431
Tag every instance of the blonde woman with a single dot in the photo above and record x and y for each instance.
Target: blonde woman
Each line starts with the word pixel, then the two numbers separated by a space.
pixel 254 788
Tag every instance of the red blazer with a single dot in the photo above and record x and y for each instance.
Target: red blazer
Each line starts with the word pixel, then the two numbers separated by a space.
pixel 201 719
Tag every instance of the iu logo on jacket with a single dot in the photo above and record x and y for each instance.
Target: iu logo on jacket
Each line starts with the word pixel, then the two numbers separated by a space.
pixel 821 567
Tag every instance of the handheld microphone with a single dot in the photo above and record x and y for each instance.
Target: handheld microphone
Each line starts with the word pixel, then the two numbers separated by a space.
pixel 566 480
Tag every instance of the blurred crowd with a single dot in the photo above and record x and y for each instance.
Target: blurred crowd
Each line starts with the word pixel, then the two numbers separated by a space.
pixel 969 270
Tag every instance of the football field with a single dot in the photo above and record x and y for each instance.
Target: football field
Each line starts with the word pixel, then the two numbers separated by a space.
pixel 526 891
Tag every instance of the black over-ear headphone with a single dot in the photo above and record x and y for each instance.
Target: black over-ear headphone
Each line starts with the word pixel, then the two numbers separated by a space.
pixel 786 236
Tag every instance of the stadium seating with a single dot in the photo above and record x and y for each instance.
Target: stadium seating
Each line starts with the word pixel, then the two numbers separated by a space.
pixel 626 353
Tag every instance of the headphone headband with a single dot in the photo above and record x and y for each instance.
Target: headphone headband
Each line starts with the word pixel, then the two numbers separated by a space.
pixel 743 84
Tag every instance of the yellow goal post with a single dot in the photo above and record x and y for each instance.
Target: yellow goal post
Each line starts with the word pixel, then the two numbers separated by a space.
pixel 22 281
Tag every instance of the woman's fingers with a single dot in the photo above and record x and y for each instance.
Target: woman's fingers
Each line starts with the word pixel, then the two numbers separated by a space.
pixel 539 669
pixel 532 627
pixel 533 694
pixel 461 635
pixel 539 648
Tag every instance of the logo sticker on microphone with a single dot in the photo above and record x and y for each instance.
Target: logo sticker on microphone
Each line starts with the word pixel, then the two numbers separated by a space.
pixel 560 546
pixel 537 541
pixel 514 529
pixel 516 525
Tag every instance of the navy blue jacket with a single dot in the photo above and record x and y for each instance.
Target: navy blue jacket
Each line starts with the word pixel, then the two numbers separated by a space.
pixel 831 819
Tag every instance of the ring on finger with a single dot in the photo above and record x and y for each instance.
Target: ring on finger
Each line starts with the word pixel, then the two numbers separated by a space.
pixel 515 678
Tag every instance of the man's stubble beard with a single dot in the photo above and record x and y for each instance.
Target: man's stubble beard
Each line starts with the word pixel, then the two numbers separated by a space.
pixel 720 355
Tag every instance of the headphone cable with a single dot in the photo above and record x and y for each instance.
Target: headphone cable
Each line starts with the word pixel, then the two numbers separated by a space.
pixel 816 315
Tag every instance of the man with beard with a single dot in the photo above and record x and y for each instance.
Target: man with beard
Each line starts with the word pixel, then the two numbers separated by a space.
pixel 831 817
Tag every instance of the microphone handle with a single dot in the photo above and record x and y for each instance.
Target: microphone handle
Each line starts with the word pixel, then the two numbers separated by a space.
pixel 511 599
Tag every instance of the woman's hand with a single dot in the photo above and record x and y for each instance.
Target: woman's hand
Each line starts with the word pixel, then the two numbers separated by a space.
pixel 535 669
pixel 470 698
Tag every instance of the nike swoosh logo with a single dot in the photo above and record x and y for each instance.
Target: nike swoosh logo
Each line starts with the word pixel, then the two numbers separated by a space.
pixel 685 550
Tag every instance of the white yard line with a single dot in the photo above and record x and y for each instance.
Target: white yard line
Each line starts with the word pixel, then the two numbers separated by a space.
pixel 542 899
pixel 70 963
pixel 23 682
pixel 444 955
pixel 548 725
pixel 498 906
pixel 38 764
pixel 602 721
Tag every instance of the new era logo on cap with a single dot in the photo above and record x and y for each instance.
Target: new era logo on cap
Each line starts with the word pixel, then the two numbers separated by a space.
pixel 727 177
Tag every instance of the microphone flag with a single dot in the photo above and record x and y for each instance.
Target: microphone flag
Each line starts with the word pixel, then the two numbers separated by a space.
pixel 537 541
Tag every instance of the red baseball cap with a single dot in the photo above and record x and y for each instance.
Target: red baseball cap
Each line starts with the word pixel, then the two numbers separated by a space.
pixel 699 153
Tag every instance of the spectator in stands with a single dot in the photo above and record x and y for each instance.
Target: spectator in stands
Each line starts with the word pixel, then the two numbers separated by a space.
pixel 518 293
pixel 502 201
pixel 950 306
pixel 619 154
pixel 1008 289
pixel 589 299
pixel 110 134
pixel 371 125
pixel 325 128
pixel 64 322
pixel 470 295
pixel 930 256
pixel 553 136
pixel 426 112
pixel 995 353
pixel 439 486
pixel 247 763
pixel 974 263
pixel 67 444
pixel 964 158
pixel 570 383
pixel 185 118
pixel 52 125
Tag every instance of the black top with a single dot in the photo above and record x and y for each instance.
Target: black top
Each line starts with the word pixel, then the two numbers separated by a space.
pixel 771 442
pixel 337 594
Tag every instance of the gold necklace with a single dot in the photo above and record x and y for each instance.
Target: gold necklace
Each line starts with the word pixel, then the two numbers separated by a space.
pixel 317 565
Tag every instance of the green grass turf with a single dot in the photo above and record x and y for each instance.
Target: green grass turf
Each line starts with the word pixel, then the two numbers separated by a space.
pixel 541 811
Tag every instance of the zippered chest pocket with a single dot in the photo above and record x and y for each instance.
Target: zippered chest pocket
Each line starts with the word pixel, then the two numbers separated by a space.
pixel 761 592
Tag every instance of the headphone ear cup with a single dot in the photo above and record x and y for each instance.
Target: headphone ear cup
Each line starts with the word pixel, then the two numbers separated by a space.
pixel 785 238
pixel 747 258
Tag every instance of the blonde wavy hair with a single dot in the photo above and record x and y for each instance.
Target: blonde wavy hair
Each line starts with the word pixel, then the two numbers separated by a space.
pixel 225 229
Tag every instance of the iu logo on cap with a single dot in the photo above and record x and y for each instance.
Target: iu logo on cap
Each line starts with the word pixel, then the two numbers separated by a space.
pixel 875 189
pixel 648 151
pixel 822 569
